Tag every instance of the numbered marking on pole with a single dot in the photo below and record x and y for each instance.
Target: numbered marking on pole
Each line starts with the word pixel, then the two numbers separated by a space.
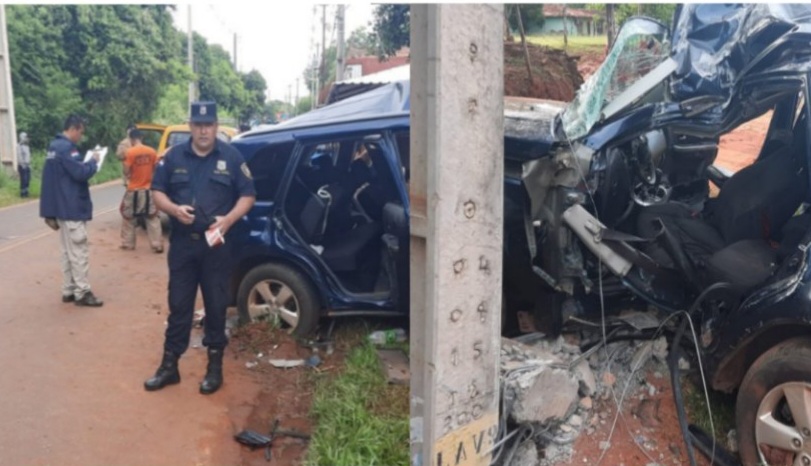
pixel 470 209
pixel 484 265
pixel 478 349
pixel 456 314
pixel 482 310
pixel 459 266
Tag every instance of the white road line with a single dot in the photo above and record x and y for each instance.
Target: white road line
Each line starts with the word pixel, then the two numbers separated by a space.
pixel 47 232
pixel 92 188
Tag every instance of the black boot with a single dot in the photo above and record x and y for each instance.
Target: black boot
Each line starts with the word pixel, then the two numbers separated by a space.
pixel 213 379
pixel 167 373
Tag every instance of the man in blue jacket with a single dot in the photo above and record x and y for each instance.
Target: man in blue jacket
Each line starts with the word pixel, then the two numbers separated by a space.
pixel 66 206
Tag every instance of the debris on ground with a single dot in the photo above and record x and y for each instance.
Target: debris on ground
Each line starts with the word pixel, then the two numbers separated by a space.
pixel 557 389
pixel 254 440
pixel 388 337
pixel 312 361
pixel 395 365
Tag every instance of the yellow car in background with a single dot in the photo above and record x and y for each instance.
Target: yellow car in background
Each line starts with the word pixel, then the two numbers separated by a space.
pixel 162 137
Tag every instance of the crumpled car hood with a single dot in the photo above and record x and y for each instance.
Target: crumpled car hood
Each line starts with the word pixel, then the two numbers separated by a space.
pixel 529 127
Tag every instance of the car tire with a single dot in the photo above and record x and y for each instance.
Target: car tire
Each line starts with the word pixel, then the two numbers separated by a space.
pixel 259 292
pixel 766 421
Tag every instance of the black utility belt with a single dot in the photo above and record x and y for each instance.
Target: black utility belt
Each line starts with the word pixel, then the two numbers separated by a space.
pixel 190 234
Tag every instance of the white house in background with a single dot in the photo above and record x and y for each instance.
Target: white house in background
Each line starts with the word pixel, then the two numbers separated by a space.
pixel 579 22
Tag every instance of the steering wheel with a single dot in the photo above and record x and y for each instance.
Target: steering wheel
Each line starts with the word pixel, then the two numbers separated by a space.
pixel 652 189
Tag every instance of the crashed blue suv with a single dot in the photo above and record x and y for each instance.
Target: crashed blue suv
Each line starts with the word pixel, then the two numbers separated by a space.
pixel 329 235
pixel 606 206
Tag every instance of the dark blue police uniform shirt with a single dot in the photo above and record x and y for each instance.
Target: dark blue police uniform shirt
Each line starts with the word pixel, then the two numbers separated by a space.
pixel 211 184
pixel 65 192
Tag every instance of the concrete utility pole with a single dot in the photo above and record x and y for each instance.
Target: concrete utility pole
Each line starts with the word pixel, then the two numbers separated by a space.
pixel 316 85
pixel 456 203
pixel 295 110
pixel 340 59
pixel 235 52
pixel 190 46
pixel 8 123
pixel 322 65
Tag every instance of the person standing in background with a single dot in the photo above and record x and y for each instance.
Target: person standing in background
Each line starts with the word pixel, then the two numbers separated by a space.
pixel 121 151
pixel 139 166
pixel 66 206
pixel 24 164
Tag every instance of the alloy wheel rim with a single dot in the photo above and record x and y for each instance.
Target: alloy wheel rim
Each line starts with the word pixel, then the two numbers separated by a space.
pixel 783 425
pixel 275 301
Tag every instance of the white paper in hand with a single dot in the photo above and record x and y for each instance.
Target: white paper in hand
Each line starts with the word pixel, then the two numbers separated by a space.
pixel 102 151
pixel 215 237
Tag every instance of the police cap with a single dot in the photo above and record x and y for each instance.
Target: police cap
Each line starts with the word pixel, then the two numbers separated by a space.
pixel 203 112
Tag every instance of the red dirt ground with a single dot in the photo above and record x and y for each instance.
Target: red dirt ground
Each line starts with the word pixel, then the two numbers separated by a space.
pixel 554 74
pixel 647 432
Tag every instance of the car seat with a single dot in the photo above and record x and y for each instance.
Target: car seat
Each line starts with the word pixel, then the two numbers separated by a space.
pixel 730 240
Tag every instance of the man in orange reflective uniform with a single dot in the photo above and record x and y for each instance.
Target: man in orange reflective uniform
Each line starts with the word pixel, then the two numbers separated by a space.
pixel 139 165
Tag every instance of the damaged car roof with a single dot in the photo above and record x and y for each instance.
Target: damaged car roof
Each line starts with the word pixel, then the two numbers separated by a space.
pixel 714 45
pixel 528 123
pixel 714 62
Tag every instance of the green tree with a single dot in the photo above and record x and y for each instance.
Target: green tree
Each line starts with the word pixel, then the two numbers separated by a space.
pixel 44 93
pixel 115 48
pixel 216 78
pixel 531 14
pixel 327 74
pixel 392 24
pixel 303 105
pixel 273 108
pixel 173 105
pixel 255 88
pixel 660 11
pixel 79 58
pixel 361 39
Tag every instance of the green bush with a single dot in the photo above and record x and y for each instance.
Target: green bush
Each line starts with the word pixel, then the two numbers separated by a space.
pixel 531 15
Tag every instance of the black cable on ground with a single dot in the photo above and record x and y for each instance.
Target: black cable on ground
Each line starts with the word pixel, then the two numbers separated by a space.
pixel 673 364
pixel 704 442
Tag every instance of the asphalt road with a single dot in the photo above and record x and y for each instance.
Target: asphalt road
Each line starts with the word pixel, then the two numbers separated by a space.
pixel 21 223
pixel 71 377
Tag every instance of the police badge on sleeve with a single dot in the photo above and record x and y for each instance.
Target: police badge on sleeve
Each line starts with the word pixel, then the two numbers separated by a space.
pixel 245 170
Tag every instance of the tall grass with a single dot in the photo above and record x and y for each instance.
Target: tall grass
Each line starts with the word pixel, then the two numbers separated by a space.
pixel 577 44
pixel 10 182
pixel 360 419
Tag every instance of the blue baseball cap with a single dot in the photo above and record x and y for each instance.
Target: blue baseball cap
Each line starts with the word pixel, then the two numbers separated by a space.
pixel 203 112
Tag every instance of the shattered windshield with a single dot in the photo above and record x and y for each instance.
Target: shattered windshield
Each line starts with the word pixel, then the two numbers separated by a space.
pixel 640 46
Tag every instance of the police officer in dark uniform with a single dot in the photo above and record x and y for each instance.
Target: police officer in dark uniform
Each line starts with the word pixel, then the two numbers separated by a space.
pixel 203 185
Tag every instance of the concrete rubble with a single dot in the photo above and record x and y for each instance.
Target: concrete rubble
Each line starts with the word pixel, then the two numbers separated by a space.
pixel 550 389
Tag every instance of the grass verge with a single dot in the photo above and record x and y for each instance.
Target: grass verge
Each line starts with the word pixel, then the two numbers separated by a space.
pixel 723 410
pixel 10 183
pixel 360 418
pixel 577 44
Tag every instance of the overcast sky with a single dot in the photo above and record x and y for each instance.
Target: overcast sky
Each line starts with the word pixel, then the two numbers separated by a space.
pixel 275 38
